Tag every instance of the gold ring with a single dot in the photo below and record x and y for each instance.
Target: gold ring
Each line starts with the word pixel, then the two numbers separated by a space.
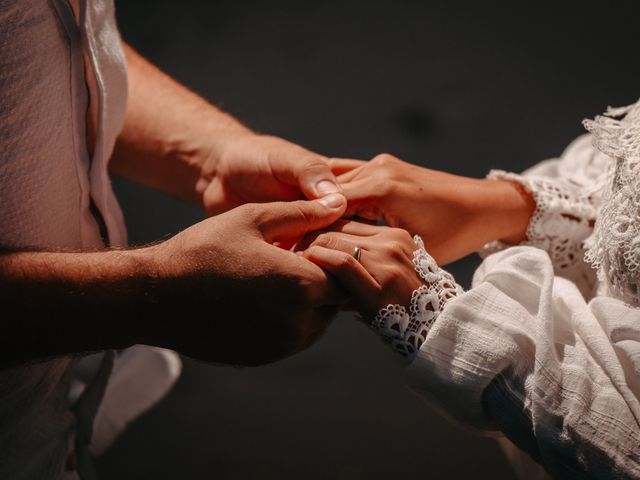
pixel 357 252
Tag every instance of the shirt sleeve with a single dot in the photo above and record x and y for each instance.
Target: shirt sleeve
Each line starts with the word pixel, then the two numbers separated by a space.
pixel 567 192
pixel 523 355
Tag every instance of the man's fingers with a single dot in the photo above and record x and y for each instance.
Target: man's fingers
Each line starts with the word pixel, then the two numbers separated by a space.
pixel 303 169
pixel 290 220
pixel 353 276
pixel 316 175
pixel 315 178
pixel 322 288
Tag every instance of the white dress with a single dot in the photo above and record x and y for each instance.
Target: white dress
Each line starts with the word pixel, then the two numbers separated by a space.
pixel 542 351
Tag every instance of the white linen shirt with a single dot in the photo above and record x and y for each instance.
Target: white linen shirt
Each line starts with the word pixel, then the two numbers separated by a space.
pixel 48 182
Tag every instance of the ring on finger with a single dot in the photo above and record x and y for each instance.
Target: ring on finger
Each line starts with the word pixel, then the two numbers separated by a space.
pixel 357 252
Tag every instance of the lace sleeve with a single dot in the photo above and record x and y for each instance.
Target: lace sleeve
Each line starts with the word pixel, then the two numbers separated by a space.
pixel 563 218
pixel 562 221
pixel 568 193
pixel 404 330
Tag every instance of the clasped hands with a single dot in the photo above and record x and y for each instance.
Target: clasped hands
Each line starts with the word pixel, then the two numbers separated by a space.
pixel 278 267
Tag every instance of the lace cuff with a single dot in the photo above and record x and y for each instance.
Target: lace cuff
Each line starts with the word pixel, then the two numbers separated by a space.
pixel 405 330
pixel 562 220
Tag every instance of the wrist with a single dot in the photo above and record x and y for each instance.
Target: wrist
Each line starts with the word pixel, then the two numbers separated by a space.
pixel 512 206
pixel 152 306
pixel 210 157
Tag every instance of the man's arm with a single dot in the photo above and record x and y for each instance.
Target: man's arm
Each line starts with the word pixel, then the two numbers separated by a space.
pixel 169 132
pixel 58 303
pixel 215 291
pixel 175 141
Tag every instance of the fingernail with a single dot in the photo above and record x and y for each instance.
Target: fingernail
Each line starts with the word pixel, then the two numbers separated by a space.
pixel 334 200
pixel 325 187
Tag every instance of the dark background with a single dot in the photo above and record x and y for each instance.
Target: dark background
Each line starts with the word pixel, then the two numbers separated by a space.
pixel 460 86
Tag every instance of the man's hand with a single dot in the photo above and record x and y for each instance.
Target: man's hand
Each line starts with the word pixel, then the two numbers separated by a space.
pixel 219 291
pixel 252 168
pixel 454 215
pixel 177 142
pixel 226 294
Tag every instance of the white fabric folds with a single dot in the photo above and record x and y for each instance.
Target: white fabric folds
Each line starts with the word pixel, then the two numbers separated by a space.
pixel 540 352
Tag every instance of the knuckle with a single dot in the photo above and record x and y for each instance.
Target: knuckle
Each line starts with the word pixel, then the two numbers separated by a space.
pixel 258 215
pixel 393 246
pixel 401 235
pixel 303 214
pixel 346 261
pixel 397 251
pixel 401 238
pixel 251 210
pixel 324 240
pixel 251 213
pixel 384 160
pixel 313 250
pixel 316 161
pixel 393 274
pixel 313 164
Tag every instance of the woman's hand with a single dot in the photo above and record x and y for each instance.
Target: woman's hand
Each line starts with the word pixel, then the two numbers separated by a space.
pixel 454 215
pixel 385 272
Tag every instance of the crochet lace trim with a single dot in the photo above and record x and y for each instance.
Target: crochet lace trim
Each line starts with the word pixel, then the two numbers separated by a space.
pixel 561 222
pixel 614 248
pixel 406 330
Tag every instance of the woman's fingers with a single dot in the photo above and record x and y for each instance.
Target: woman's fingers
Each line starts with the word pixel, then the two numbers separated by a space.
pixel 364 199
pixel 349 176
pixel 352 227
pixel 331 239
pixel 353 276
pixel 355 233
pixel 365 193
pixel 340 241
pixel 340 166
pixel 384 272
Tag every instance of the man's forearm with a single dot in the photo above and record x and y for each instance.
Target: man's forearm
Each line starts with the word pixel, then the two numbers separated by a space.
pixel 60 303
pixel 168 132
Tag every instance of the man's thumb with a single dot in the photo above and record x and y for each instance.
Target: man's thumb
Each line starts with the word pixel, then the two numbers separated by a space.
pixel 288 220
pixel 316 179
